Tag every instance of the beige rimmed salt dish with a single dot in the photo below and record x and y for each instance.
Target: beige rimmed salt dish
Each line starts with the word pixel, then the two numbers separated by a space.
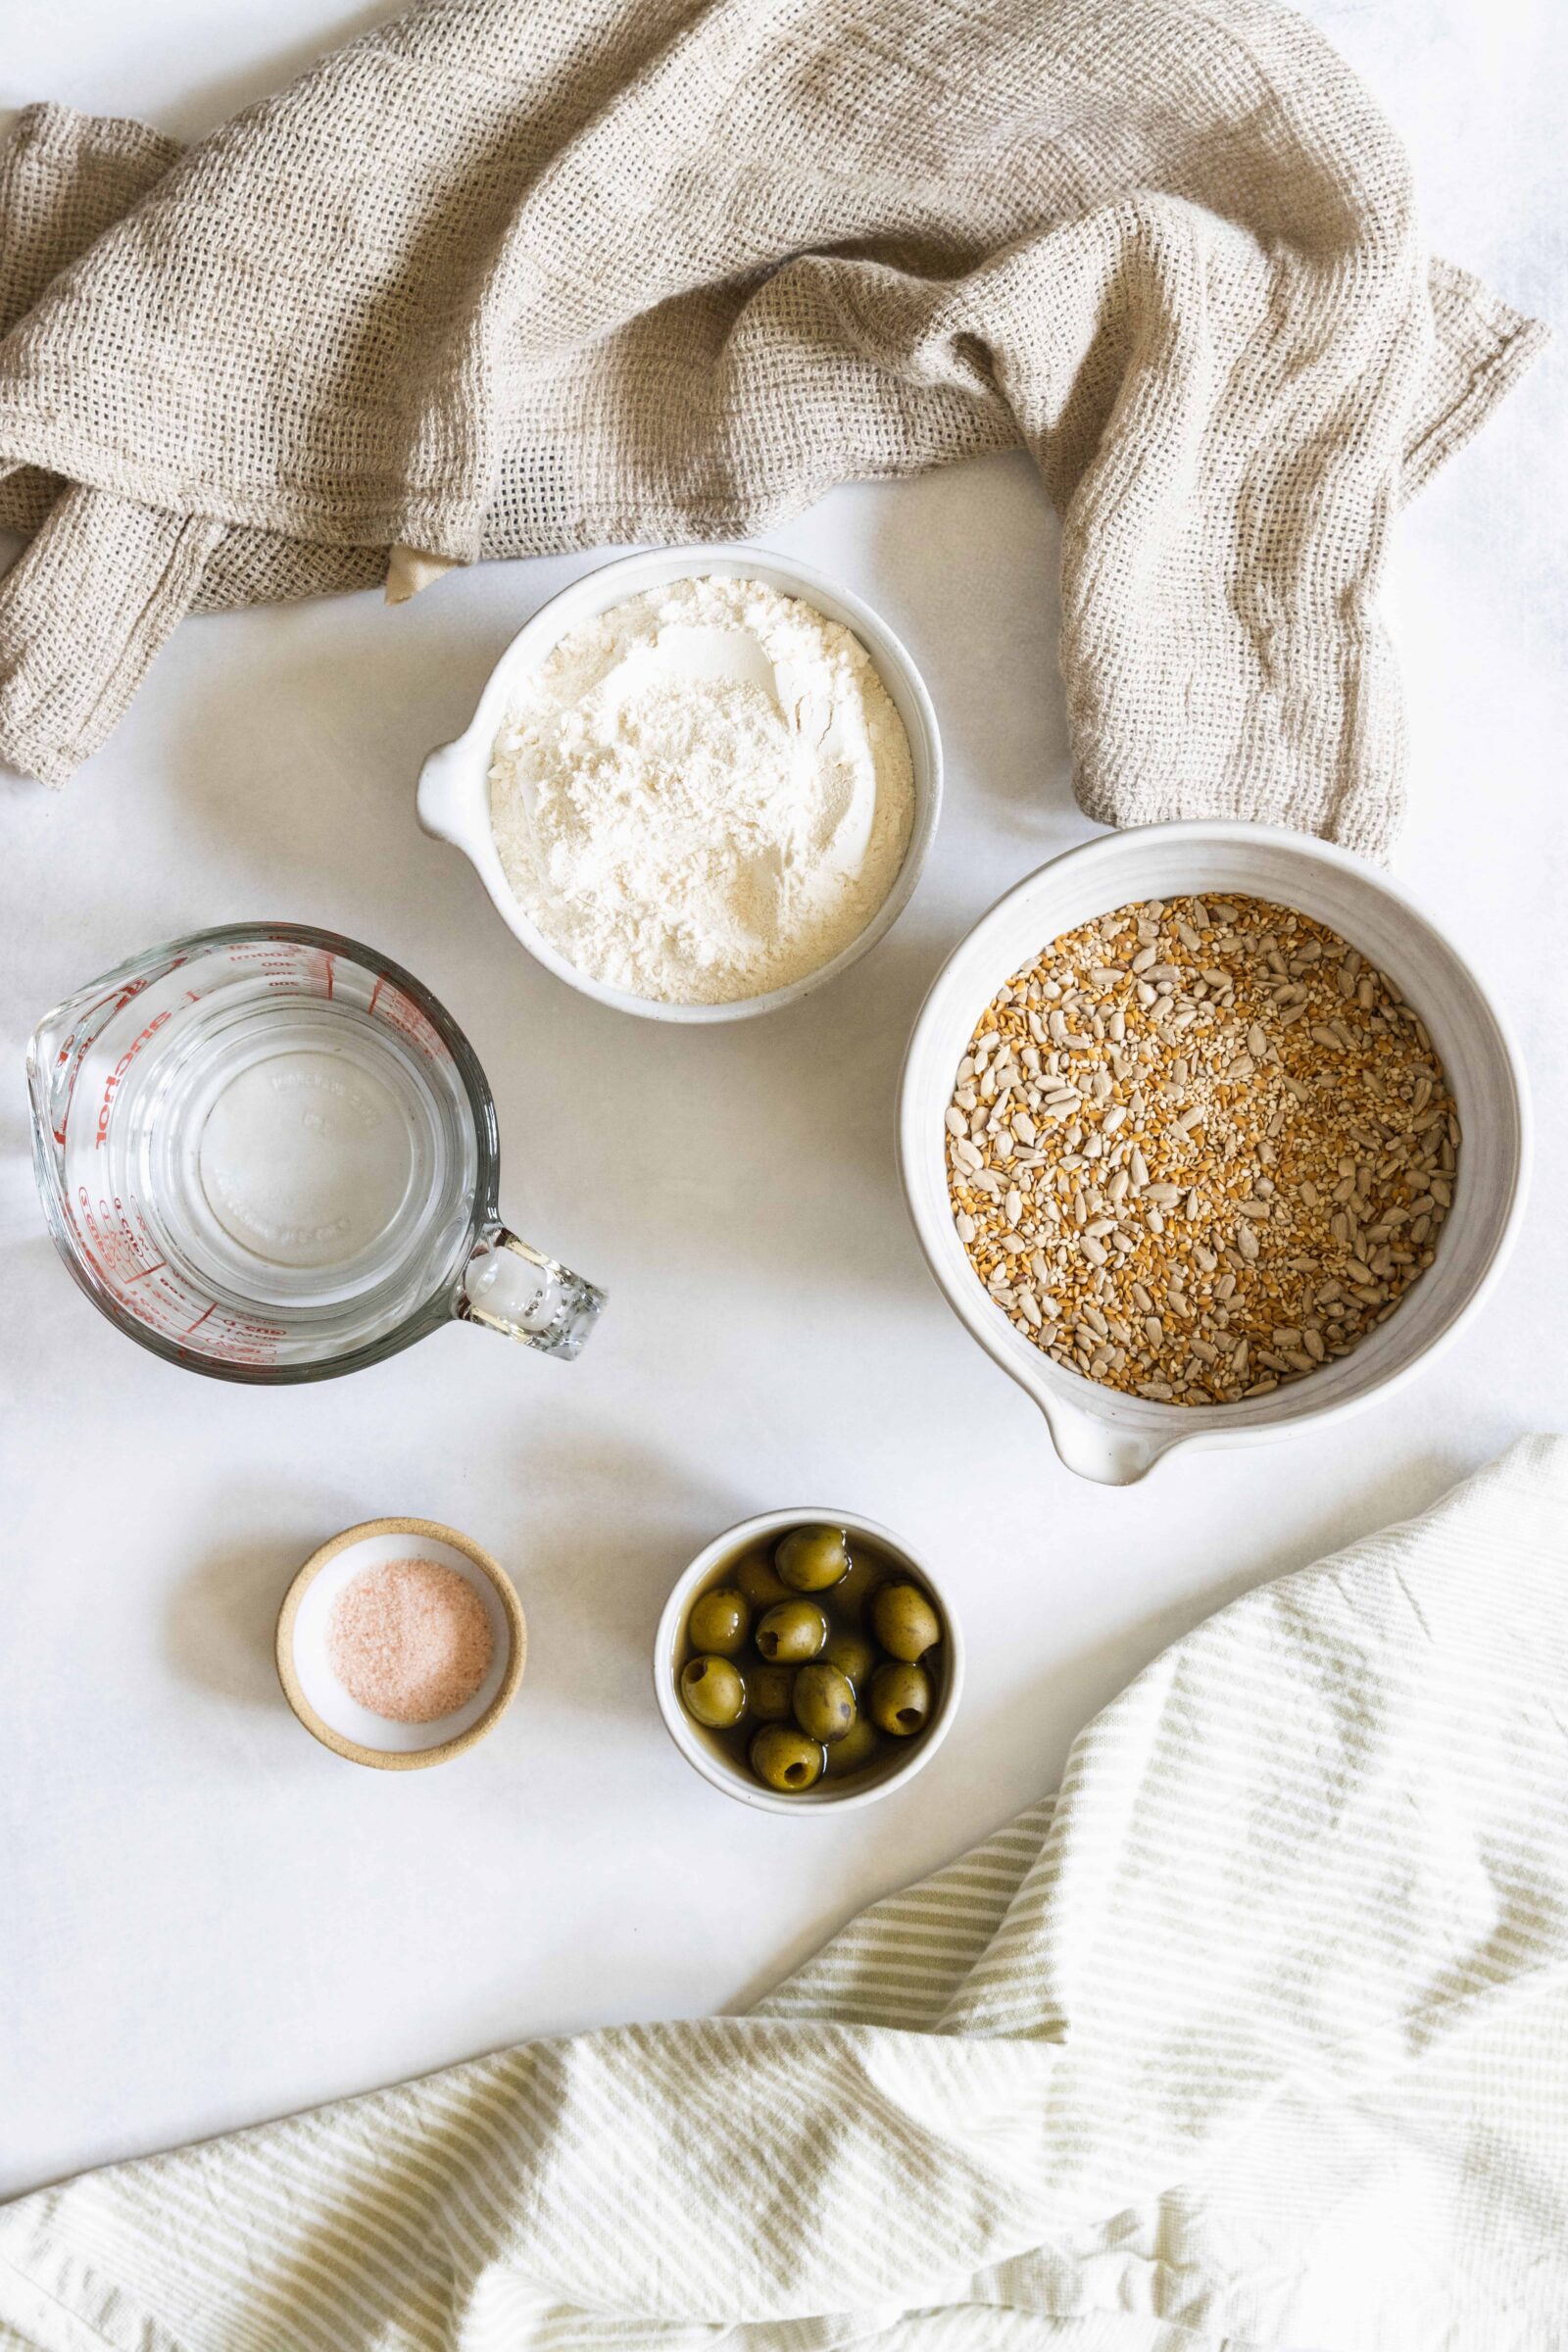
pixel 328 1712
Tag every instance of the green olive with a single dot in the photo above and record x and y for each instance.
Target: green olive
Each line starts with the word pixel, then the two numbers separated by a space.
pixel 853 1656
pixel 712 1693
pixel 901 1699
pixel 769 1693
pixel 858 1746
pixel 812 1559
pixel 824 1703
pixel 792 1633
pixel 784 1759
pixel 904 1622
pixel 719 1621
pixel 760 1582
pixel 866 1573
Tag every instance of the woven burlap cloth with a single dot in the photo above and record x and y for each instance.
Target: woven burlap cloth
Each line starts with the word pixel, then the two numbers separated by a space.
pixel 501 280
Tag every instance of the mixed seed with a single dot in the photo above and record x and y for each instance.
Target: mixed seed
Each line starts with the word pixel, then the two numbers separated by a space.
pixel 1199 1147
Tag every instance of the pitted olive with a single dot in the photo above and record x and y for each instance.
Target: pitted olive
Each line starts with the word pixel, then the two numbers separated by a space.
pixel 823 1701
pixel 901 1699
pixel 904 1622
pixel 719 1622
pixel 812 1559
pixel 792 1633
pixel 712 1692
pixel 784 1759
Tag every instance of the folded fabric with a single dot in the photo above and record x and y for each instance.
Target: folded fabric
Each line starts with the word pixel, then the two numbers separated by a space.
pixel 1257 2036
pixel 501 280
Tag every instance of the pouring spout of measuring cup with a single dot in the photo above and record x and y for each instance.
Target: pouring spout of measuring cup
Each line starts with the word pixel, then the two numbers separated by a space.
pixel 513 1289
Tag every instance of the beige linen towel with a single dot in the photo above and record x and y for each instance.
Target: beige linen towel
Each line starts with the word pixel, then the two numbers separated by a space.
pixel 1257 2036
pixel 500 279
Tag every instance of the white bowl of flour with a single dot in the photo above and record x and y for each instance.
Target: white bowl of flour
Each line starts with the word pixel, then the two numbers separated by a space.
pixel 698 783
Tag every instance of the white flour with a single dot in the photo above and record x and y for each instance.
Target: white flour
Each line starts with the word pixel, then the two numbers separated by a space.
pixel 703 792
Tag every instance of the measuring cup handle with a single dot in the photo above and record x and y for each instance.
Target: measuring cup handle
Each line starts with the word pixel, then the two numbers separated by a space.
pixel 511 1288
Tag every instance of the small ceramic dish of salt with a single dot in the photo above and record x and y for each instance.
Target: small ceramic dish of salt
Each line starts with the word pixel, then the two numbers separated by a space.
pixel 699 784
pixel 401 1644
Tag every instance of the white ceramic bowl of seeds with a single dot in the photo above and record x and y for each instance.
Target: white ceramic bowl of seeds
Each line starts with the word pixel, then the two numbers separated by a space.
pixel 455 803
pixel 1394 1324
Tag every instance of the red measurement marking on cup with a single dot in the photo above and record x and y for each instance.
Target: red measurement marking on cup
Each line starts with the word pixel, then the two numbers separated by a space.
pixel 83 1223
pixel 117 1248
pixel 231 1341
pixel 79 1044
pixel 235 1341
pixel 114 1245
pixel 409 1022
pixel 152 1311
pixel 116 1255
pixel 283 965
pixel 119 1069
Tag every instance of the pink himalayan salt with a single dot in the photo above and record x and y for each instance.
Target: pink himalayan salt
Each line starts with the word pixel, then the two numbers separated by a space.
pixel 409 1640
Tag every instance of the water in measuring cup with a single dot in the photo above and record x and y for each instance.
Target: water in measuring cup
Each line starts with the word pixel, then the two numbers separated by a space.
pixel 302 1160
pixel 288 1159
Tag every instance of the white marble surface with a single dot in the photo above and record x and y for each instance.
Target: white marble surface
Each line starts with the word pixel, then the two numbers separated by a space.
pixel 203 1918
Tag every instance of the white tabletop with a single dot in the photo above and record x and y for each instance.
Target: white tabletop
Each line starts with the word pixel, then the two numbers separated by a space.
pixel 207 1918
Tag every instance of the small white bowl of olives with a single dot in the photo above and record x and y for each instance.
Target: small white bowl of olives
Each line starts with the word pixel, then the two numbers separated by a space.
pixel 807 1659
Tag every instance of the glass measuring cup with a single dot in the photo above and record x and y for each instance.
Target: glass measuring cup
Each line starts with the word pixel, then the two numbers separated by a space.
pixel 268 1153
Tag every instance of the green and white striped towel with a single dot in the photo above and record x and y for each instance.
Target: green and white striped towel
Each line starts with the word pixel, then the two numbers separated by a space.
pixel 1257 2036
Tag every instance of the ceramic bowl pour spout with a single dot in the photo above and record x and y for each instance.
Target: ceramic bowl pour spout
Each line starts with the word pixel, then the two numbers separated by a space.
pixel 270 1155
